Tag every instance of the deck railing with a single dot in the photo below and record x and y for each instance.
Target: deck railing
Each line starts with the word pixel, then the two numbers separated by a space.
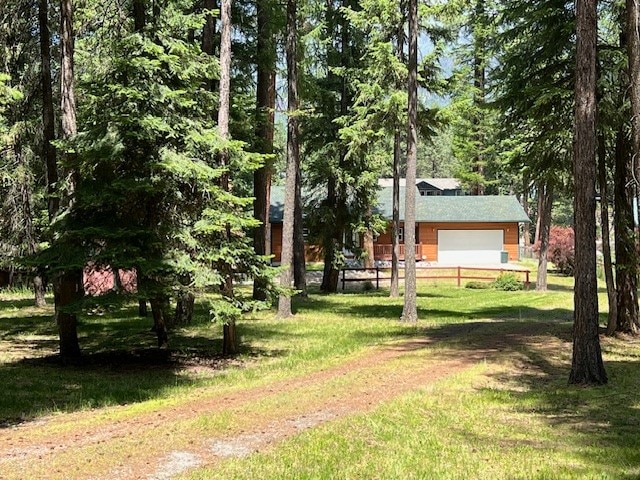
pixel 383 251
pixel 457 273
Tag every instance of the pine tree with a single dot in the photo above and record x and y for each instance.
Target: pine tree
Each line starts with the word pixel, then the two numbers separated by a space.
pixel 293 161
pixel 587 366
pixel 409 311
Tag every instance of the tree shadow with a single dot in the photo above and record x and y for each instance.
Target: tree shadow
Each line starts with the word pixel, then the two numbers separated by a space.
pixel 120 362
pixel 599 419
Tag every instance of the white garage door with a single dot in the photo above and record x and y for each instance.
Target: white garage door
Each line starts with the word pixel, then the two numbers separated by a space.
pixel 468 247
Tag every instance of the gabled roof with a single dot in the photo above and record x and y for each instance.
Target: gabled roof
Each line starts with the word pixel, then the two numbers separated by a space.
pixel 487 208
pixel 441 209
pixel 439 183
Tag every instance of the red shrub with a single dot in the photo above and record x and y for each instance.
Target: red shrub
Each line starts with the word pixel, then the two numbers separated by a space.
pixel 561 249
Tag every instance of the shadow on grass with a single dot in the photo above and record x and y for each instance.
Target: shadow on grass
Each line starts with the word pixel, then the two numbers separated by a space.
pixel 600 424
pixel 18 303
pixel 120 363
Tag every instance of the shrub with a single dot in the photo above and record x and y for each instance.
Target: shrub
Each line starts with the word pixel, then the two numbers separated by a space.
pixel 561 249
pixel 508 282
pixel 367 286
pixel 477 285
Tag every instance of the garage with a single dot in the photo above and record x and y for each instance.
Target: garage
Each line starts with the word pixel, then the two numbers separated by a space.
pixel 469 247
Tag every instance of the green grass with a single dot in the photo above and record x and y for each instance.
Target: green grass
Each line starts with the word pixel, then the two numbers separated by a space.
pixel 469 426
pixel 513 416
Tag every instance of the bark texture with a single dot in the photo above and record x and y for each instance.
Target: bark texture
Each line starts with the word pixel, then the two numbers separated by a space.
pixel 299 261
pixel 184 309
pixel 394 290
pixel 293 160
pixel 586 366
pixel 230 345
pixel 68 286
pixel 159 312
pixel 265 113
pixel 545 190
pixel 626 162
pixel 612 317
pixel 39 288
pixel 48 117
pixel 410 312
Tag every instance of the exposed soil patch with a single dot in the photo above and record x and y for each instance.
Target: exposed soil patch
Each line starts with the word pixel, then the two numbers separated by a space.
pixel 27 451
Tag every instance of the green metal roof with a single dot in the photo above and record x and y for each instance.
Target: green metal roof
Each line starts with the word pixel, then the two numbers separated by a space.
pixel 466 208
pixel 484 208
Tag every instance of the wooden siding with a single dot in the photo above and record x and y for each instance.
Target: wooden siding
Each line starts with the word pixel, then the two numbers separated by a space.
pixel 312 252
pixel 428 236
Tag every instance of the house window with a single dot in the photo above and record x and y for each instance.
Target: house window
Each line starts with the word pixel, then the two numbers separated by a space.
pixel 401 234
pixel 305 234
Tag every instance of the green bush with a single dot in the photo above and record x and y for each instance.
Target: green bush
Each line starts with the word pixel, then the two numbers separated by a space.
pixel 477 285
pixel 367 286
pixel 508 282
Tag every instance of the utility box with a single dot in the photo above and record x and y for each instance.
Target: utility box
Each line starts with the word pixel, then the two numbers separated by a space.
pixel 504 257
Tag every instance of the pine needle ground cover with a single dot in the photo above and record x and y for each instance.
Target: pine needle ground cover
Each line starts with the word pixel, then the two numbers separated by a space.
pixel 477 390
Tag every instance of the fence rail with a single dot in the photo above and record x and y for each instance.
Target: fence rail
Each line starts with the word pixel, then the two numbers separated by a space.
pixel 381 274
pixel 383 251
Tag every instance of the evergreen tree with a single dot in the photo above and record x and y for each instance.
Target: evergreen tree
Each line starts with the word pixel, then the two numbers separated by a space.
pixel 293 161
pixel 409 311
pixel 587 366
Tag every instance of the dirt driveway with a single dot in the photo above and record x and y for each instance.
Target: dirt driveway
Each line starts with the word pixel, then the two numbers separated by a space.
pixel 118 443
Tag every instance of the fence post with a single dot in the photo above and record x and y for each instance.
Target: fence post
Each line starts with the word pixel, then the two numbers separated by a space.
pixel 343 280
pixel 459 273
pixel 526 281
pixel 377 277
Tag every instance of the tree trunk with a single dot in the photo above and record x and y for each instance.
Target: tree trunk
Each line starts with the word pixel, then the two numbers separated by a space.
pixel 331 243
pixel 117 281
pixel 139 15
pixel 394 289
pixel 395 222
pixel 627 256
pixel 67 80
pixel 410 312
pixel 545 190
pixel 293 159
pixel 480 22
pixel 540 201
pixel 265 121
pixel 142 308
pixel 229 334
pixel 159 312
pixel 208 40
pixel 39 289
pixel 367 246
pixel 48 118
pixel 230 338
pixel 586 366
pixel 68 286
pixel 299 261
pixel 526 228
pixel 625 240
pixel 67 290
pixel 184 309
pixel 606 236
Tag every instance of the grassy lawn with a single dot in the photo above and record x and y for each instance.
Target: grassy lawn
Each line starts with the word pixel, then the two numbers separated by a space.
pixel 509 414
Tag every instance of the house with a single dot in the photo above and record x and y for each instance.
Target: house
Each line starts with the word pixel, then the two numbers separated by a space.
pixel 450 229
pixel 429 186
pixel 458 230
